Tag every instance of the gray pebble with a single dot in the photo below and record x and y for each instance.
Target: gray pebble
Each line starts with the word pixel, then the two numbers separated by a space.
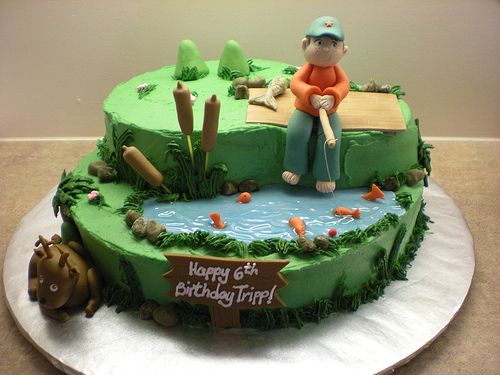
pixel 385 89
pixel 240 81
pixel 147 308
pixel 241 92
pixel 306 244
pixel 229 188
pixel 256 82
pixel 413 176
pixel 106 174
pixel 153 229
pixel 391 184
pixel 94 166
pixel 248 186
pixel 139 227
pixel 165 315
pixel 322 242
pixel 131 216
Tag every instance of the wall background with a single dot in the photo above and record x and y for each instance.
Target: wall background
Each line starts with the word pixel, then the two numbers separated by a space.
pixel 59 59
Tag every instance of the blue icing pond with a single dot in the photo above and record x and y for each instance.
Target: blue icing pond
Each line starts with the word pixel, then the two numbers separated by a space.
pixel 267 214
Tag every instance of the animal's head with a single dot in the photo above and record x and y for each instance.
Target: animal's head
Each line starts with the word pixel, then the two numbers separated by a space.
pixel 56 278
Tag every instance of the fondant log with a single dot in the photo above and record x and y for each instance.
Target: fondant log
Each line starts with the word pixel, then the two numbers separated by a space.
pixel 142 166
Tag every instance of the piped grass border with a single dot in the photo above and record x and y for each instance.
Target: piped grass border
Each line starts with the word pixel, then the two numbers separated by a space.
pixel 189 74
pixel 68 190
pixel 404 199
pixel 225 245
pixel 114 157
pixel 190 180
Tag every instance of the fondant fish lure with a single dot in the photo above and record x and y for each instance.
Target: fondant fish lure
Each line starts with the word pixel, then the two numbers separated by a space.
pixel 344 211
pixel 298 225
pixel 244 198
pixel 374 194
pixel 276 87
pixel 217 222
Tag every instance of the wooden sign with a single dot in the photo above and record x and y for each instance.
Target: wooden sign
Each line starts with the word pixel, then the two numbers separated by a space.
pixel 358 111
pixel 226 285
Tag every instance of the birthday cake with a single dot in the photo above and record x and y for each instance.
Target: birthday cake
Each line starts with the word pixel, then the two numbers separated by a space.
pixel 186 213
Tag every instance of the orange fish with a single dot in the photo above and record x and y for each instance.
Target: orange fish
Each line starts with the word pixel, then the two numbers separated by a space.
pixel 297 224
pixel 217 222
pixel 343 211
pixel 244 198
pixel 374 194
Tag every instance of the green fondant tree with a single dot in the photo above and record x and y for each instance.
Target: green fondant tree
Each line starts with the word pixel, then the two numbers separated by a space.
pixel 233 59
pixel 190 65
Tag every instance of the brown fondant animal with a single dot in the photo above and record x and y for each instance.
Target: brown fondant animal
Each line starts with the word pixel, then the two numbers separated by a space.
pixel 59 278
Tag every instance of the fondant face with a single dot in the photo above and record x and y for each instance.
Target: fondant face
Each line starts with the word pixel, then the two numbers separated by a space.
pixel 55 283
pixel 323 51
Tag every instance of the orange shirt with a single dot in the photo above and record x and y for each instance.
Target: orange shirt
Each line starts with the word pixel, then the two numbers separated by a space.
pixel 312 79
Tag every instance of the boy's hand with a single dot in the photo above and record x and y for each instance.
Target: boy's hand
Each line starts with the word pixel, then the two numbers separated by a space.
pixel 327 102
pixel 316 101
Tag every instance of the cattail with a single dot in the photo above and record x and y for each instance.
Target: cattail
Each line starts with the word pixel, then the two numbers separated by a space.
pixel 184 108
pixel 143 166
pixel 210 123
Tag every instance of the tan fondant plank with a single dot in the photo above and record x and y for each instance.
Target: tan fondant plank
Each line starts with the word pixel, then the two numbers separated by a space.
pixel 260 114
pixel 358 111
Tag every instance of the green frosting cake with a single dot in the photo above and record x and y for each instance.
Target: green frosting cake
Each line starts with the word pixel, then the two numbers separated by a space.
pixel 338 273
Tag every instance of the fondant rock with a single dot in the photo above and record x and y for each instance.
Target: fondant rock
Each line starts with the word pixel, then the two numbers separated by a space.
pixel 229 188
pixel 106 174
pixel 385 89
pixel 321 242
pixel 240 81
pixel 147 308
pixel 165 315
pixel 256 82
pixel 153 229
pixel 248 186
pixel 413 176
pixel 139 227
pixel 131 216
pixel 94 166
pixel 391 184
pixel 241 92
pixel 306 244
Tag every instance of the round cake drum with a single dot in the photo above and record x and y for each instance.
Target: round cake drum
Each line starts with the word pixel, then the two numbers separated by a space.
pixel 378 337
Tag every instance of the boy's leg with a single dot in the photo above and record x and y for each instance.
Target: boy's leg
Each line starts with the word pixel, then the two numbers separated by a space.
pixel 326 168
pixel 297 139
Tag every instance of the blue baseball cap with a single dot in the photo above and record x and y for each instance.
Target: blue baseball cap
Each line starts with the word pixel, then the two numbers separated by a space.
pixel 326 26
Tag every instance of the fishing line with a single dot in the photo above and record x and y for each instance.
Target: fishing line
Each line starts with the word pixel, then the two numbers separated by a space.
pixel 326 162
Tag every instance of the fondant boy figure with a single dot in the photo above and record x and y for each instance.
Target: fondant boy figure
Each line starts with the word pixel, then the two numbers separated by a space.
pixel 320 83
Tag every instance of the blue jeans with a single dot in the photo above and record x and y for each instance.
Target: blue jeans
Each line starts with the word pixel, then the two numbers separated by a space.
pixel 326 160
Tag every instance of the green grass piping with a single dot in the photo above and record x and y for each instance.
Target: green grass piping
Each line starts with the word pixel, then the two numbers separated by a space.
pixel 193 182
pixel 128 294
pixel 68 190
pixel 255 68
pixel 189 74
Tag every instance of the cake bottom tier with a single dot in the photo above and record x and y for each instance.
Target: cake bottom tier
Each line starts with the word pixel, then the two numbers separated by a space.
pixel 356 268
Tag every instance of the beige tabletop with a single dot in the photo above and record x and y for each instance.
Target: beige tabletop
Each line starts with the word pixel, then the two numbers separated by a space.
pixel 467 170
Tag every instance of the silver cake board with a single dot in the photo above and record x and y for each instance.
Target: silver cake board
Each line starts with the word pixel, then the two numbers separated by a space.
pixel 376 338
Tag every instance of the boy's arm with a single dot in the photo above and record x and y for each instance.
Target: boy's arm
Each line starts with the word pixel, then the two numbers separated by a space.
pixel 299 86
pixel 340 90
